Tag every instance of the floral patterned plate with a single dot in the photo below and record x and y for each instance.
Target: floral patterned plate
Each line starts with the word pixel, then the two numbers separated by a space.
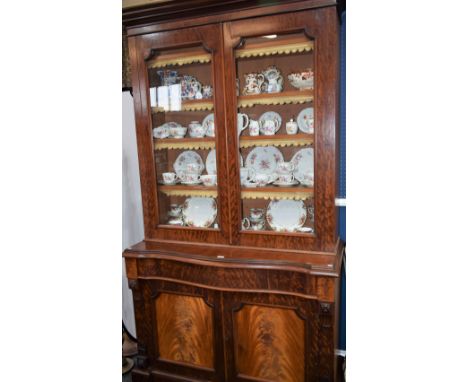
pixel 305 120
pixel 211 162
pixel 264 159
pixel 199 212
pixel 180 164
pixel 286 215
pixel 303 163
pixel 208 124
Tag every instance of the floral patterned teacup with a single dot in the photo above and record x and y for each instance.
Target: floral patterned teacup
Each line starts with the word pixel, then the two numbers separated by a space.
pixel 286 178
pixel 169 177
pixel 209 180
pixel 285 167
pixel 194 168
pixel 263 179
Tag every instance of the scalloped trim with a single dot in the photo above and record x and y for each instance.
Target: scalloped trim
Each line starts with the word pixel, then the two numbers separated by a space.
pixel 276 50
pixel 276 195
pixel 162 63
pixel 161 145
pixel 296 99
pixel 275 142
pixel 187 193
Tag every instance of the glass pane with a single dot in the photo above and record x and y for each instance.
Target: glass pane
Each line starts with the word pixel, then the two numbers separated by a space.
pixel 181 95
pixel 275 121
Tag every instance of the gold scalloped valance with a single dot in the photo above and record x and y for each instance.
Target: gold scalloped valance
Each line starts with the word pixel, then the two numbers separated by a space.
pixel 287 48
pixel 187 193
pixel 293 195
pixel 161 144
pixel 295 97
pixel 246 142
pixel 179 61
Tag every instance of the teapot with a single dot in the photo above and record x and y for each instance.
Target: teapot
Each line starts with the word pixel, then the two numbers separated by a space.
pixel 274 78
pixel 253 83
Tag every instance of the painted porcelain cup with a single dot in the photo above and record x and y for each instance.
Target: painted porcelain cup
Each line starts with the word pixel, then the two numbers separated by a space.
pixel 196 130
pixel 209 180
pixel 191 177
pixel 169 177
pixel 285 178
pixel 178 132
pixel 263 179
pixel 285 167
pixel 254 128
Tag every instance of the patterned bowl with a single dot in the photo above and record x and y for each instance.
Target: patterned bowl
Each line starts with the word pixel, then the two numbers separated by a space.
pixel 303 80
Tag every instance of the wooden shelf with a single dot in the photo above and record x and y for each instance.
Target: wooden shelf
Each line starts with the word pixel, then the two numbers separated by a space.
pixel 282 98
pixel 272 192
pixel 189 105
pixel 279 46
pixel 281 140
pixel 181 57
pixel 184 143
pixel 183 190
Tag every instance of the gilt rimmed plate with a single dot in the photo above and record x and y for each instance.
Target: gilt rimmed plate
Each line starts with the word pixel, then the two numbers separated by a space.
pixel 264 159
pixel 211 162
pixel 208 132
pixel 302 120
pixel 286 215
pixel 180 164
pixel 273 115
pixel 303 163
pixel 199 212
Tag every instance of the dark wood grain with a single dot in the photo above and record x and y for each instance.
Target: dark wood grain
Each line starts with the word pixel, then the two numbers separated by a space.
pixel 185 329
pixel 269 343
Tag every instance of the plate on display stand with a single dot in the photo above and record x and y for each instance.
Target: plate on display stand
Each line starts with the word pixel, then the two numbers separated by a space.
pixel 199 212
pixel 286 215
pixel 305 120
pixel 180 164
pixel 303 164
pixel 264 159
pixel 211 162
pixel 208 125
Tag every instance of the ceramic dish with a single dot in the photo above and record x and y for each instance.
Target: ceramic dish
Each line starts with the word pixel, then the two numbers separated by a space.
pixel 303 163
pixel 286 215
pixel 199 212
pixel 211 162
pixel 208 125
pixel 263 160
pixel 302 81
pixel 176 222
pixel 180 164
pixel 290 184
pixel 161 132
pixel 305 120
pixel 269 115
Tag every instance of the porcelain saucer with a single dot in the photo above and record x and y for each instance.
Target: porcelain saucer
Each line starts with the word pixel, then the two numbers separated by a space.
pixel 290 184
pixel 250 185
pixel 192 183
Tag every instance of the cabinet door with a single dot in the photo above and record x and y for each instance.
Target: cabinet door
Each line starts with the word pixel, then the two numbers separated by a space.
pixel 181 138
pixel 179 328
pixel 280 116
pixel 277 338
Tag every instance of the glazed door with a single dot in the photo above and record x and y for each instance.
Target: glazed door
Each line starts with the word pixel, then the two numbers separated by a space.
pixel 181 137
pixel 280 117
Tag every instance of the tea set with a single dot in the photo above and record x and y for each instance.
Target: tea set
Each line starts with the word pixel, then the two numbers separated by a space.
pixel 268 81
pixel 191 88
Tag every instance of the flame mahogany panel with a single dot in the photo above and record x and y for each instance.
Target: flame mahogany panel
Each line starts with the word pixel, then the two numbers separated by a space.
pixel 185 329
pixel 269 343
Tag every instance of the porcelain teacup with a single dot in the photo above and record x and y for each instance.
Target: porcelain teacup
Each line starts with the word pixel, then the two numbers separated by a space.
pixel 209 180
pixel 191 177
pixel 285 167
pixel 169 177
pixel 178 132
pixel 291 127
pixel 285 178
pixel 254 128
pixel 263 179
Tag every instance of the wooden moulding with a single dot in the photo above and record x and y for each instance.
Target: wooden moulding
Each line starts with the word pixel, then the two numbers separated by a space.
pixel 283 98
pixel 270 48
pixel 281 140
pixel 293 193
pixel 181 190
pixel 179 59
pixel 184 143
pixel 191 105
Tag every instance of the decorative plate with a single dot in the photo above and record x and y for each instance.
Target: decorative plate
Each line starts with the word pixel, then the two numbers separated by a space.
pixel 305 120
pixel 211 162
pixel 199 212
pixel 303 163
pixel 180 164
pixel 286 215
pixel 209 132
pixel 264 159
pixel 267 116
